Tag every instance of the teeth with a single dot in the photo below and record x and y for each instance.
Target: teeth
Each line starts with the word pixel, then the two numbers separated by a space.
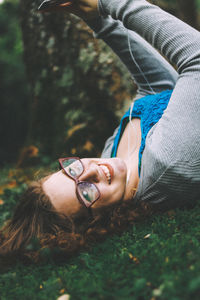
pixel 106 172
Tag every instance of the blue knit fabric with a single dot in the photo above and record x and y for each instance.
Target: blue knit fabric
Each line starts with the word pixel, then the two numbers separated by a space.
pixel 149 109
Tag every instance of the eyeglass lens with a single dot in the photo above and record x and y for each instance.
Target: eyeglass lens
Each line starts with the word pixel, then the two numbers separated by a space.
pixel 73 167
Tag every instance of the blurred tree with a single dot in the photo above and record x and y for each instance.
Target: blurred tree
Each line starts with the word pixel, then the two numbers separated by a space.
pixel 188 12
pixel 14 100
pixel 76 83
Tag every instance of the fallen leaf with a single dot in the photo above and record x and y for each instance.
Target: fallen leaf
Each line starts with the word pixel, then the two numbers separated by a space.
pixel 12 184
pixel 171 213
pixel 1 202
pixel 75 128
pixel 9 185
pixel 167 259
pixel 133 258
pixel 62 291
pixel 31 151
pixel 41 287
pixel 157 292
pixel 88 146
pixel 147 236
pixel 11 173
pixel 73 151
pixel 27 153
pixel 64 297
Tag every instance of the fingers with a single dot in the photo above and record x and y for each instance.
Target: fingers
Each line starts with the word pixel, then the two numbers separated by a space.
pixel 50 6
pixel 67 4
pixel 84 9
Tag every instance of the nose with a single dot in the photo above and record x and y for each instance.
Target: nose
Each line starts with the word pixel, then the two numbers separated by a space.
pixel 91 172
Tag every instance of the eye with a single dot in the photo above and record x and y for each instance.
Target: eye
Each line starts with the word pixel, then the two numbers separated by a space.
pixel 86 196
pixel 88 191
pixel 72 172
pixel 74 169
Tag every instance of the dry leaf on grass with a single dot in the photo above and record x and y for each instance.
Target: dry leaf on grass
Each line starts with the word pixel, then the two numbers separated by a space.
pixel 88 146
pixel 167 259
pixel 74 129
pixel 11 184
pixel 73 151
pixel 171 213
pixel 1 202
pixel 133 258
pixel 64 297
pixel 147 236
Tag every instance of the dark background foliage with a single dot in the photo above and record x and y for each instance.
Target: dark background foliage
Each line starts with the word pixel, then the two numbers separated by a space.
pixel 62 91
pixel 14 99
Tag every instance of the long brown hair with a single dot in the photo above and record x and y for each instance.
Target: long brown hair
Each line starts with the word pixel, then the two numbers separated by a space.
pixel 36 218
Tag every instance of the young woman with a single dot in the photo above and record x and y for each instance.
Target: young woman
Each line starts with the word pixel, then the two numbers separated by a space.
pixel 153 158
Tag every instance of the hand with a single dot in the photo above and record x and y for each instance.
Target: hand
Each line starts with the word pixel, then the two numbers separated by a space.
pixel 85 9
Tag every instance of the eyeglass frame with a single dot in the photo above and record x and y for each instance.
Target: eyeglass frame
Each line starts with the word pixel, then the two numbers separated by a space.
pixel 75 179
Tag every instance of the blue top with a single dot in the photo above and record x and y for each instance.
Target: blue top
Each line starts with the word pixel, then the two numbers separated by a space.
pixel 149 109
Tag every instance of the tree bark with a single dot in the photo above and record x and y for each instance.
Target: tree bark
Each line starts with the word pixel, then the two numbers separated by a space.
pixel 76 84
pixel 187 10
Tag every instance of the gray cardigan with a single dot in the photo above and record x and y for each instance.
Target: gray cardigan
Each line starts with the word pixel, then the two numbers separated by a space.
pixel 170 170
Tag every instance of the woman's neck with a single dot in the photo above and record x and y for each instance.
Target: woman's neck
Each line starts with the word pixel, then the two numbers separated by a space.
pixel 128 150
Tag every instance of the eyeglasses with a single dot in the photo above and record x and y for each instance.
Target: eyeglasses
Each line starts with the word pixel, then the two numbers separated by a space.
pixel 87 192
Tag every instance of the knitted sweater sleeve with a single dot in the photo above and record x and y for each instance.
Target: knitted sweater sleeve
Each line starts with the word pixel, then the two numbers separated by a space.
pixel 171 159
pixel 173 38
pixel 149 70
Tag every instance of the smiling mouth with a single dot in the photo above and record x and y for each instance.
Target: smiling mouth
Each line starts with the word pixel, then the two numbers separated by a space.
pixel 107 170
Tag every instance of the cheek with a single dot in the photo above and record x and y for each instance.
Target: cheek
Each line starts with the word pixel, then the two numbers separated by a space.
pixel 119 192
pixel 110 195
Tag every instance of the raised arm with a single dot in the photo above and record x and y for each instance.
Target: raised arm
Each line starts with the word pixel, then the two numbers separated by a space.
pixel 176 40
pixel 149 69
pixel 171 160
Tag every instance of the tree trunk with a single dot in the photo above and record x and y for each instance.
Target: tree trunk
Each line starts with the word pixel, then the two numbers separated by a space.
pixel 188 12
pixel 76 84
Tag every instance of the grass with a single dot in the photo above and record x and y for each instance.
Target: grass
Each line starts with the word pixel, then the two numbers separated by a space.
pixel 155 259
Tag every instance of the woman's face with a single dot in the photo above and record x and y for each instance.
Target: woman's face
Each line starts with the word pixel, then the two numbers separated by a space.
pixel 109 175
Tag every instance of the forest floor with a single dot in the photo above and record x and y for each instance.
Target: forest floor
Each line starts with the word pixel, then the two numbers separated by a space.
pixel 155 259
